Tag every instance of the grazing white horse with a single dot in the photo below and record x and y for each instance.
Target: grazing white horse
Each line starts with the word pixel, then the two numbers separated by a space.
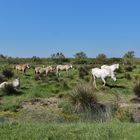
pixel 102 73
pixel 112 67
pixel 63 67
pixel 15 83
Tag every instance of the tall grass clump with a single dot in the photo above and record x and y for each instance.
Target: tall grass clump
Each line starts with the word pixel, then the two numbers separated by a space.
pixel 83 96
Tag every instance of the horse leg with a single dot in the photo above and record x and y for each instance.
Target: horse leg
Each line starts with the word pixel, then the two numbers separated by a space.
pixel 24 71
pixel 103 81
pixel 56 71
pixel 35 72
pixel 94 81
pixel 67 72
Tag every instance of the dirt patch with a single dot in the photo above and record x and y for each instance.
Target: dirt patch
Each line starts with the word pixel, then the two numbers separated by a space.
pixel 41 104
pixel 40 109
pixel 135 100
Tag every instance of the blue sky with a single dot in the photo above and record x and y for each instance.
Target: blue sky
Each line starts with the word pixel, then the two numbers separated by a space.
pixel 42 27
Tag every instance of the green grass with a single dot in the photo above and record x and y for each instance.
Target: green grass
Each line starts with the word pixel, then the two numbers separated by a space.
pixel 71 131
pixel 63 84
pixel 42 125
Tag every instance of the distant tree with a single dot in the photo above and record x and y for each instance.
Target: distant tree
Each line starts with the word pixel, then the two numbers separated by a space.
pixel 59 58
pixel 80 55
pixel 127 58
pixel 101 57
pixel 36 59
pixel 57 55
pixel 2 56
pixel 129 54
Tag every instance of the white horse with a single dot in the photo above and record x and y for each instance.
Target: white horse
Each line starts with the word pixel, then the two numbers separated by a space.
pixel 63 67
pixel 3 85
pixel 112 67
pixel 102 73
pixel 15 83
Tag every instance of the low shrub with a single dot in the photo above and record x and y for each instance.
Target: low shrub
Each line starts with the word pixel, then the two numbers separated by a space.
pixel 8 73
pixel 129 68
pixel 136 88
pixel 83 71
pixel 127 76
pixel 124 115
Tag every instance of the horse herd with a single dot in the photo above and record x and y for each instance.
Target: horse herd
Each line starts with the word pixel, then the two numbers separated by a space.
pixel 103 72
pixel 43 69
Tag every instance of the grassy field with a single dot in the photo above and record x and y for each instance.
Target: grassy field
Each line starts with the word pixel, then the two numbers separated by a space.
pixel 43 104
pixel 59 86
pixel 82 131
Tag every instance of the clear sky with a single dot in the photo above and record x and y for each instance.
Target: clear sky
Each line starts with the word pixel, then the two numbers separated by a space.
pixel 42 27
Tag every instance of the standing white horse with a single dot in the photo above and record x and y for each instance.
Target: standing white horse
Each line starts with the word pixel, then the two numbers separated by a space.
pixel 63 67
pixel 112 67
pixel 102 73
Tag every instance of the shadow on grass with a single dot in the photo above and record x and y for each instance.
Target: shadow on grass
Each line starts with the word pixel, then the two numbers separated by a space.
pixel 11 93
pixel 116 86
pixel 27 75
pixel 24 88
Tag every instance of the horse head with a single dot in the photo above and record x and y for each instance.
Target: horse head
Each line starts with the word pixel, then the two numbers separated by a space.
pixel 16 82
pixel 27 66
pixel 71 66
pixel 117 66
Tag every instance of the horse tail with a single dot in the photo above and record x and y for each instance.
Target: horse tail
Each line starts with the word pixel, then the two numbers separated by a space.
pixel 35 71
